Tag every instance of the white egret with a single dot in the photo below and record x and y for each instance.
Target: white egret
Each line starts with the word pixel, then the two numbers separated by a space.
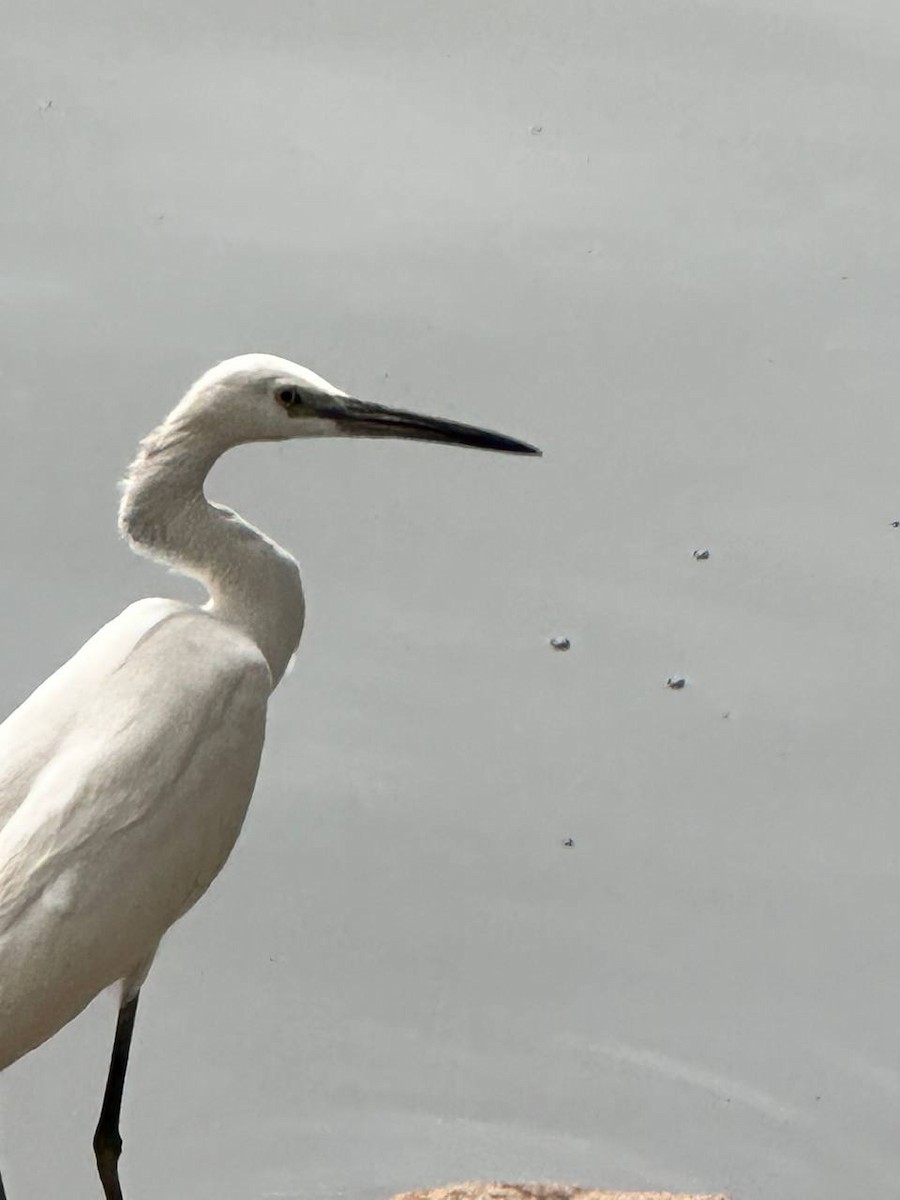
pixel 125 777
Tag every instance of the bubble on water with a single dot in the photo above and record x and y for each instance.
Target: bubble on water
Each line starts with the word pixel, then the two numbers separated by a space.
pixel 700 555
pixel 560 643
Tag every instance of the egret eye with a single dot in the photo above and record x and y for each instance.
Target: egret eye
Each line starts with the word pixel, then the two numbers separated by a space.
pixel 289 397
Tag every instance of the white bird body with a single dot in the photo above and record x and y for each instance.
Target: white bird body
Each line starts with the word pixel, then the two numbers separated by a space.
pixel 126 776
pixel 134 765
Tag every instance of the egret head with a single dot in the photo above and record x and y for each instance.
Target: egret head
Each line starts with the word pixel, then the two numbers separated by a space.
pixel 258 397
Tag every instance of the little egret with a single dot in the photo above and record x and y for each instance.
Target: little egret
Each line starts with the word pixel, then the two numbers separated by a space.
pixel 125 777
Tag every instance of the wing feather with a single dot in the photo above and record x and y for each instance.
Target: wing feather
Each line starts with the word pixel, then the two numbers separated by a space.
pixel 129 816
pixel 29 736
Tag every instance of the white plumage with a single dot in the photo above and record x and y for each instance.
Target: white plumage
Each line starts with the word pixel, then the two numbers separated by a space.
pixel 133 778
pixel 125 777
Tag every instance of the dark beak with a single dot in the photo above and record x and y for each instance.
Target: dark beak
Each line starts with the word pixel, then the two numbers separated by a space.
pixel 357 418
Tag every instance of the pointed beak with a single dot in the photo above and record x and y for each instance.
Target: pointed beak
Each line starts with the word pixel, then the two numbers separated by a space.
pixel 358 418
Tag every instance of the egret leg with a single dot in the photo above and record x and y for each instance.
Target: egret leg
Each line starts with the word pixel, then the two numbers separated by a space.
pixel 107 1139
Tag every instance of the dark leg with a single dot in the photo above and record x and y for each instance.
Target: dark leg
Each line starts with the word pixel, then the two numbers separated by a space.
pixel 107 1140
pixel 2 1192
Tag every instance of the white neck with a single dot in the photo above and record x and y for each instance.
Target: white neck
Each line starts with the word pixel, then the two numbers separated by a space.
pixel 252 582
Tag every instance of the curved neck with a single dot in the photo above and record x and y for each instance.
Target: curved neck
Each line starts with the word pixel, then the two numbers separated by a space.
pixel 252 583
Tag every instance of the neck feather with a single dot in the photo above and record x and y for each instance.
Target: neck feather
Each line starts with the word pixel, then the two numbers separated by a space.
pixel 251 581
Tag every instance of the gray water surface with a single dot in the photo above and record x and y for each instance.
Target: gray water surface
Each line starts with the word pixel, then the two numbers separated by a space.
pixel 661 242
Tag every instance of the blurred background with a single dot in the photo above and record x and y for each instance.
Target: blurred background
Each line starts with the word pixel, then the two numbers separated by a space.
pixel 659 239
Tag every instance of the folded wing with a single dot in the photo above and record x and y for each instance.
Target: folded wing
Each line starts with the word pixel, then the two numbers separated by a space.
pixel 131 809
